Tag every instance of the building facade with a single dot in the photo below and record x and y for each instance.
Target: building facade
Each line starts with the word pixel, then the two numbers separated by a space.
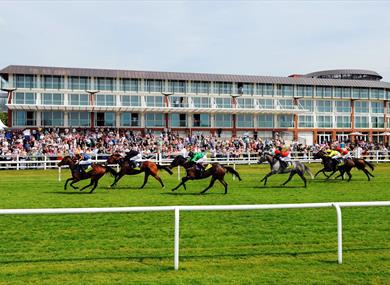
pixel 316 107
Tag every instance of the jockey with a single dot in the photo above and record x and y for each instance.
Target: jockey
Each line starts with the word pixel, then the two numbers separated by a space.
pixel 84 161
pixel 198 158
pixel 134 157
pixel 335 154
pixel 284 156
pixel 346 154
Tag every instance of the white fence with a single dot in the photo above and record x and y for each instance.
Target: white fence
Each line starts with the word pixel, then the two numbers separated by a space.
pixel 47 162
pixel 177 209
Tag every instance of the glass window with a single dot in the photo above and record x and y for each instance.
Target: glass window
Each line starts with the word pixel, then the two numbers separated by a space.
pixel 286 103
pixel 223 121
pixel 223 102
pixel 53 82
pixel 245 103
pixel 24 98
pixel 343 106
pixel 52 99
pixel 79 99
pixel 201 102
pixel 346 92
pixel 343 122
pixel 22 118
pixel 324 121
pixel 129 119
pixel 201 120
pixel 154 120
pixel 265 89
pixel 361 122
pixel 265 121
pixel 130 85
pixel 361 107
pixel 105 119
pixel 154 85
pixel 177 86
pixel 377 107
pixel 266 103
pixel 338 92
pixel 179 101
pixel 307 105
pixel 200 87
pixel 324 106
pixel 105 84
pixel 377 93
pixel 377 122
pixel 154 101
pixel 305 91
pixel 223 87
pixel 285 121
pixel 79 83
pixel 285 90
pixel 244 121
pixel 79 119
pixel 25 81
pixel 305 121
pixel 323 92
pixel 52 119
pixel 133 101
pixel 247 89
pixel 104 100
pixel 178 120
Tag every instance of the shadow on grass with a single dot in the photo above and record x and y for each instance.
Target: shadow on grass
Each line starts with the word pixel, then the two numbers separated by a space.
pixel 176 193
pixel 277 187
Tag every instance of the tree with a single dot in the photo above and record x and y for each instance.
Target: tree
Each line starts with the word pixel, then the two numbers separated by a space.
pixel 4 118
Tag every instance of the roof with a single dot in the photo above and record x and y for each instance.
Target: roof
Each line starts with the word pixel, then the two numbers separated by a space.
pixel 89 72
pixel 344 71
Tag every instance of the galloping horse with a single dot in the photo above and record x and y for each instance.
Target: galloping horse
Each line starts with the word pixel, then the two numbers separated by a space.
pixel 359 163
pixel 216 171
pixel 149 167
pixel 330 165
pixel 297 168
pixel 95 174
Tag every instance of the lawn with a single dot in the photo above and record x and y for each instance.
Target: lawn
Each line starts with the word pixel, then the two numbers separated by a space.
pixel 241 247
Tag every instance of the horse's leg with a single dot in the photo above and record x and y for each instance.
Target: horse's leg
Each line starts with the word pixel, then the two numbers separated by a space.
pixel 95 184
pixel 333 172
pixel 66 182
pixel 349 175
pixel 210 185
pixel 73 182
pixel 303 178
pixel 147 173
pixel 223 182
pixel 266 177
pixel 319 171
pixel 119 176
pixel 158 179
pixel 183 181
pixel 86 186
pixel 292 173
pixel 365 172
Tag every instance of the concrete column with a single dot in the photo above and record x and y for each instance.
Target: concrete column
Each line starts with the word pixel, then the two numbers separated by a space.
pixel 117 119
pixel 38 118
pixel 66 119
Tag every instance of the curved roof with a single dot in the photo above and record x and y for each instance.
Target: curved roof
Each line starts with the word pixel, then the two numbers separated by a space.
pixel 344 71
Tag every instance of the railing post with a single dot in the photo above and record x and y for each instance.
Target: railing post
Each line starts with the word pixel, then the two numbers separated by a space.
pixel 177 236
pixel 228 159
pixel 178 173
pixel 17 162
pixel 59 173
pixel 44 164
pixel 339 234
pixel 377 156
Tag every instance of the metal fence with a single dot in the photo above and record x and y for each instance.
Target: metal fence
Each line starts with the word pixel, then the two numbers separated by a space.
pixel 178 209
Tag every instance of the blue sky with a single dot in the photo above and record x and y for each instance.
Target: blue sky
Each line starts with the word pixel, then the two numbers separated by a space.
pixel 235 37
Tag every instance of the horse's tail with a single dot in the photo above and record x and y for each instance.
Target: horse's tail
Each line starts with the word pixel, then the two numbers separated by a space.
pixel 370 165
pixel 233 171
pixel 308 171
pixel 111 171
pixel 166 168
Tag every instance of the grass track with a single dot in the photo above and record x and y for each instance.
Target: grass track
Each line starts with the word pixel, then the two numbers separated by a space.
pixel 242 247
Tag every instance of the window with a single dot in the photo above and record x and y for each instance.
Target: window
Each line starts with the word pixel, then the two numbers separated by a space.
pixel 324 106
pixel 223 87
pixel 360 93
pixel 106 119
pixel 244 121
pixel 177 86
pixel 104 100
pixel 377 122
pixel 200 87
pixel 338 92
pixel 105 84
pixel 26 81
pixel 305 121
pixel 377 107
pixel 343 106
pixel 285 121
pixel 130 85
pixel 343 122
pixel 245 103
pixel 79 99
pixel 223 102
pixel 307 105
pixel 247 88
pixel 22 118
pixel 361 107
pixel 52 99
pixel 201 102
pixel 286 104
pixel 133 101
pixel 265 89
pixel 265 121
pixel 201 120
pixel 377 93
pixel 266 103
pixel 346 93
pixel 178 120
pixel 323 92
pixel 24 98
pixel 53 82
pixel 53 119
pixel 155 101
pixel 79 83
pixel 178 102
pixel 223 121
pixel 154 85
pixel 154 120
pixel 285 90
pixel 305 91
pixel 324 121
pixel 361 122
pixel 129 120
pixel 79 119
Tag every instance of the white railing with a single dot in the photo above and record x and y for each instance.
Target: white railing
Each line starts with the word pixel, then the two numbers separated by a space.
pixel 177 209
pixel 47 162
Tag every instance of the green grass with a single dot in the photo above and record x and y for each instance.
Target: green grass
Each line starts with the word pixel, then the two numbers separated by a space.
pixel 240 247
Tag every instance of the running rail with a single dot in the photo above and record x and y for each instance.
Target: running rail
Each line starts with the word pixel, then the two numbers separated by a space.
pixel 177 209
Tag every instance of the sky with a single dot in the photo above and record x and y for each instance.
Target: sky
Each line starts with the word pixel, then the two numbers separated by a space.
pixel 275 38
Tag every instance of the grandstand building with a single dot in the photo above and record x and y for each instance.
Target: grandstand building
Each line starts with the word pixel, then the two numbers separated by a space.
pixel 310 108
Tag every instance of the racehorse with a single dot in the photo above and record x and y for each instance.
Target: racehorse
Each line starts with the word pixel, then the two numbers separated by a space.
pixel 330 165
pixel 359 163
pixel 149 167
pixel 95 174
pixel 216 171
pixel 297 168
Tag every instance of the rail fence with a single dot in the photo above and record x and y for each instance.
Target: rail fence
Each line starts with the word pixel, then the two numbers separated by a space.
pixel 49 162
pixel 178 209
